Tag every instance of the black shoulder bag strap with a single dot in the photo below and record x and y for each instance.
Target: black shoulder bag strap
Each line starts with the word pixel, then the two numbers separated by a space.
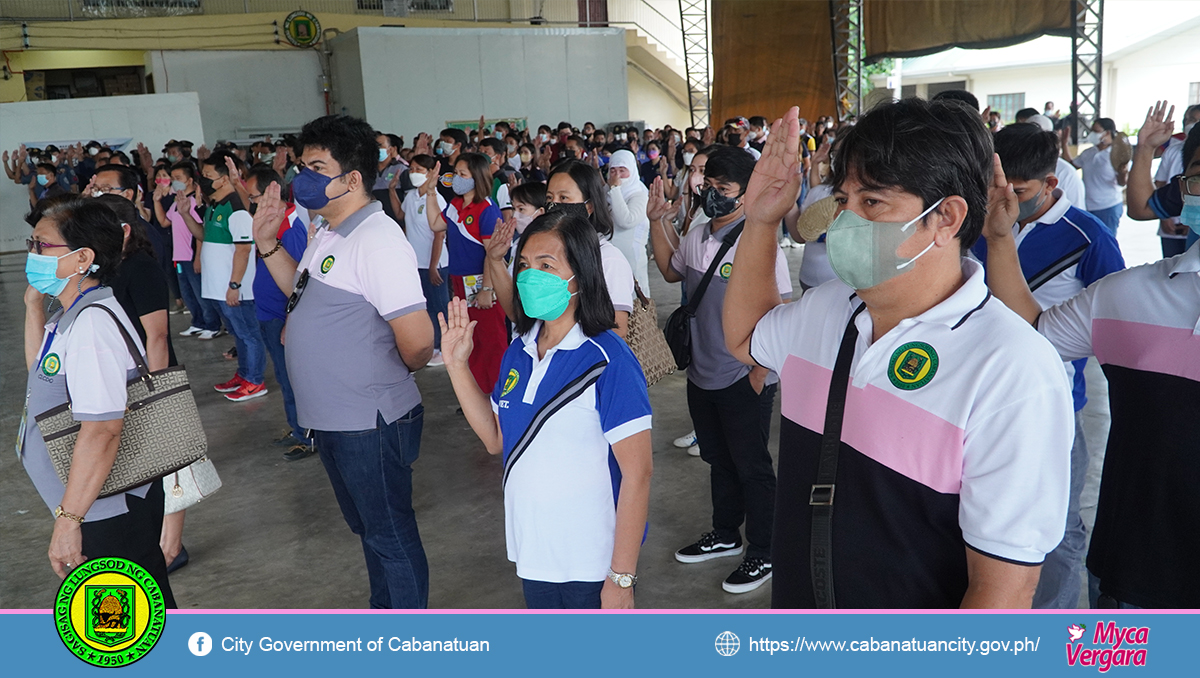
pixel 821 496
pixel 142 368
pixel 726 244
pixel 564 396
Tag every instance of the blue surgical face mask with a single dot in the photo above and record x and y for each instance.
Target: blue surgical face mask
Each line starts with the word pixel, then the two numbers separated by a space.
pixel 1190 215
pixel 462 185
pixel 308 188
pixel 178 186
pixel 43 180
pixel 41 270
pixel 383 154
pixel 544 295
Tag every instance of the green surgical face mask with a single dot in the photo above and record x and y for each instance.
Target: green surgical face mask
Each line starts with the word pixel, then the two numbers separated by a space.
pixel 544 295
pixel 863 253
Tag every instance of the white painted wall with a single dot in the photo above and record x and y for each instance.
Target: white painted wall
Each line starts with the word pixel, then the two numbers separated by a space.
pixel 243 89
pixel 1161 70
pixel 152 119
pixel 416 79
pixel 651 102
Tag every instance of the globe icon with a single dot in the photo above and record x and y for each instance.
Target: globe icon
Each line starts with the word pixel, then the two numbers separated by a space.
pixel 728 644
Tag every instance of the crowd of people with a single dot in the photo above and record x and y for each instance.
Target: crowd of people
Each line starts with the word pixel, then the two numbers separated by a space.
pixel 956 275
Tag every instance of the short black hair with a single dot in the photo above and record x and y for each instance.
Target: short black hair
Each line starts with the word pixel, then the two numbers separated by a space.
pixel 591 185
pixel 1026 152
pixel 758 121
pixel 127 178
pixel 459 137
pixel 1025 114
pixel 931 149
pixel 1107 125
pixel 90 224
pixel 426 162
pixel 958 95
pixel 263 175
pixel 216 160
pixel 532 193
pixel 350 141
pixel 1190 146
pixel 493 143
pixel 564 125
pixel 186 167
pixel 46 204
pixel 127 213
pixel 594 310
pixel 48 167
pixel 395 140
pixel 731 164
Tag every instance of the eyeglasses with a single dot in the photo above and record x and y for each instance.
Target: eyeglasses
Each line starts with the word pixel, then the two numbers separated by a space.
pixel 36 246
pixel 300 285
pixel 1190 185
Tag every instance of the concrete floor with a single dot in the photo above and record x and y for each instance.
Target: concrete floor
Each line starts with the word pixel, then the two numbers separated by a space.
pixel 273 537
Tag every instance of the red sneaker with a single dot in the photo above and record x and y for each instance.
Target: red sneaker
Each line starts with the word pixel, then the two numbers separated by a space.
pixel 247 391
pixel 231 385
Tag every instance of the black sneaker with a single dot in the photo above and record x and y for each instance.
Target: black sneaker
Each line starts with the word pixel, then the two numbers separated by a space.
pixel 710 546
pixel 287 440
pixel 299 452
pixel 751 574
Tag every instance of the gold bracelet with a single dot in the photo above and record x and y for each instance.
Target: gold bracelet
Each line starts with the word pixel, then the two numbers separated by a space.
pixel 278 244
pixel 60 512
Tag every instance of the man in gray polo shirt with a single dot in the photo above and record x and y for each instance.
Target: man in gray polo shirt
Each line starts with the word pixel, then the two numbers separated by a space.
pixel 356 330
pixel 730 403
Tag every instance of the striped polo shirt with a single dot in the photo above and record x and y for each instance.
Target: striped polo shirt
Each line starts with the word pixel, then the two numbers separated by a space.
pixel 957 434
pixel 1143 326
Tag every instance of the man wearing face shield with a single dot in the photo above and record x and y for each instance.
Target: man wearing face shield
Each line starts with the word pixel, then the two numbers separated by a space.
pixel 1062 250
pixel 926 431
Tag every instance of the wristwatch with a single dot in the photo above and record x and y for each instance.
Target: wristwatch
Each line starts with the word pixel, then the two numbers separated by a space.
pixel 625 581
pixel 235 286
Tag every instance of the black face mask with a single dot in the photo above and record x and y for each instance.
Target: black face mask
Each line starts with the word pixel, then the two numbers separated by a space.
pixel 206 185
pixel 578 209
pixel 717 205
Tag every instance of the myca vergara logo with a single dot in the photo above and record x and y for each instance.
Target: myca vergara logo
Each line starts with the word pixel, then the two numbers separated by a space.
pixel 326 264
pixel 1111 646
pixel 109 612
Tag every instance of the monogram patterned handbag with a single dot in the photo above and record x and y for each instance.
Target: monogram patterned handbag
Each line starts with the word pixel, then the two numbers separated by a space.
pixel 162 431
pixel 647 341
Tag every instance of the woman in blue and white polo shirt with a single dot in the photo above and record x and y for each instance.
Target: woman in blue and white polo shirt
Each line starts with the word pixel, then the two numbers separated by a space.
pixel 571 415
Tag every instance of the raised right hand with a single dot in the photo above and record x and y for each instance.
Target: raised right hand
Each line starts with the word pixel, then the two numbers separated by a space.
pixel 500 243
pixel 1158 127
pixel 268 216
pixel 658 206
pixel 775 184
pixel 1003 207
pixel 458 332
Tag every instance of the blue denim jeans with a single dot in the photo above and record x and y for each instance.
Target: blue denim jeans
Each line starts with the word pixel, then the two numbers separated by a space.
pixel 371 474
pixel 1062 571
pixel 1111 216
pixel 572 595
pixel 205 313
pixel 252 354
pixel 437 300
pixel 272 331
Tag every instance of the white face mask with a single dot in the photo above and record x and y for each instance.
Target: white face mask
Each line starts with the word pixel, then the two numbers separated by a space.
pixel 1187 129
pixel 751 135
pixel 93 150
pixel 688 157
pixel 416 179
pixel 1094 138
pixel 515 162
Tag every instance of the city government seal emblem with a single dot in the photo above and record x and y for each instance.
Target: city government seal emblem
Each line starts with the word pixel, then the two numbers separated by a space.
pixel 913 365
pixel 327 264
pixel 109 612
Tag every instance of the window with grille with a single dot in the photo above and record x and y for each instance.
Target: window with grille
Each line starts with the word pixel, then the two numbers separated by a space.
pixel 1006 105
pixel 431 5
pixel 370 5
pixel 1194 93
pixel 140 4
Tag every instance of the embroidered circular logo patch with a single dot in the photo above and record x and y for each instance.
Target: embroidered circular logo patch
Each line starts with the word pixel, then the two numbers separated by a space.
pixel 913 365
pixel 51 365
pixel 327 264
pixel 109 612
pixel 510 383
pixel 726 270
pixel 469 220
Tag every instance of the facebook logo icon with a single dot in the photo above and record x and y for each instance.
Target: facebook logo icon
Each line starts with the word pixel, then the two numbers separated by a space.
pixel 200 643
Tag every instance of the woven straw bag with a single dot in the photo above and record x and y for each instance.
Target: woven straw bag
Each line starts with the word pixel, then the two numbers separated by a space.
pixel 162 432
pixel 647 341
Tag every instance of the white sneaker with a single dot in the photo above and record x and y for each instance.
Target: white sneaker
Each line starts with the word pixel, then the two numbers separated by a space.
pixel 694 451
pixel 685 441
pixel 207 334
pixel 190 331
pixel 436 360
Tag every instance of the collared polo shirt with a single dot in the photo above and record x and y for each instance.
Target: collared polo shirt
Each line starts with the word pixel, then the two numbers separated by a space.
pixel 1099 179
pixel 1061 253
pixel 85 353
pixel 270 301
pixel 226 225
pixel 957 434
pixel 467 226
pixel 341 352
pixel 713 366
pixel 1143 326
pixel 561 491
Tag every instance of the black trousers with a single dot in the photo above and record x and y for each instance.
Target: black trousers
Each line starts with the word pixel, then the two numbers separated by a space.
pixel 733 425
pixel 133 536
